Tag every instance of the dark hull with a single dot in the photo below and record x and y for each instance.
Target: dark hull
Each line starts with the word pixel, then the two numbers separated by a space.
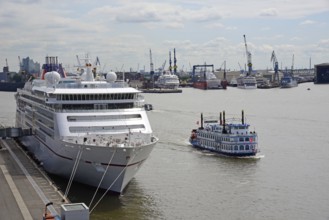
pixel 11 87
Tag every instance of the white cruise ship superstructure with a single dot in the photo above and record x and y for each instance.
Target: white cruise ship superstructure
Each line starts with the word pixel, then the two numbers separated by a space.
pixel 95 131
pixel 167 80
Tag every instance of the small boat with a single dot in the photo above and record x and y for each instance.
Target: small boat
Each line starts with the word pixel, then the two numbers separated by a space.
pixel 148 107
pixel 287 81
pixel 230 137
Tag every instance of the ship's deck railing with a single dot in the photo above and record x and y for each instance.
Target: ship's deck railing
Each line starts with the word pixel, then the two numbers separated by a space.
pixel 74 84
pixel 133 140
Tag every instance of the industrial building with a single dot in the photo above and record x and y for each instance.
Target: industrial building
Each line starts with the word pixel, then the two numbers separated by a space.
pixel 321 73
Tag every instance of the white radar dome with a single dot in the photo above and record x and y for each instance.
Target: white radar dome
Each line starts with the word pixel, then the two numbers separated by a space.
pixel 52 77
pixel 111 77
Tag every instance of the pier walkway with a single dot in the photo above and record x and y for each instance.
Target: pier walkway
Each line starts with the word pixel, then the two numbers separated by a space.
pixel 24 188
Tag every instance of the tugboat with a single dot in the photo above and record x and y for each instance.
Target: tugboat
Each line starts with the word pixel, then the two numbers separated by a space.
pixel 230 137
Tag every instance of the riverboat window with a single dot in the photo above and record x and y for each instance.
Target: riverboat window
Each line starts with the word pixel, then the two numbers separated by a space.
pixel 247 147
pixel 241 147
pixel 236 147
pixel 241 139
pixel 247 138
pixel 100 106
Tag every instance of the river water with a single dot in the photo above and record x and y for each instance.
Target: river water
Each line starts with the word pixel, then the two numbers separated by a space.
pixel 179 182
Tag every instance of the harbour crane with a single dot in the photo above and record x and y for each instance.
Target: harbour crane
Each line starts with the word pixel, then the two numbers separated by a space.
pixel 164 65
pixel 275 66
pixel 249 63
pixel 170 67
pixel 97 62
pixel 292 65
pixel 20 63
pixel 240 67
pixel 175 62
pixel 79 64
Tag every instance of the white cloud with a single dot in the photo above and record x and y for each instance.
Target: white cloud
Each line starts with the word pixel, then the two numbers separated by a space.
pixel 307 22
pixel 123 31
pixel 269 12
pixel 215 25
pixel 231 28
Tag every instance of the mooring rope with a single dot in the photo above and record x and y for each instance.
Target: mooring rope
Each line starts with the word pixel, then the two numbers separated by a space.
pixel 107 167
pixel 74 169
pixel 112 184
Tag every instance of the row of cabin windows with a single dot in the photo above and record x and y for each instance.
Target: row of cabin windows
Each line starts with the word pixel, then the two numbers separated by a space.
pixel 104 117
pixel 236 147
pixel 228 147
pixel 97 106
pixel 79 97
pixel 211 136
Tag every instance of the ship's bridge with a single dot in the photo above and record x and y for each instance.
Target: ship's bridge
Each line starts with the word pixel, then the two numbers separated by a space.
pixel 238 128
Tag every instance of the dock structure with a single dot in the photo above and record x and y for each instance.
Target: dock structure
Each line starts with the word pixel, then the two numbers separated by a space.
pixel 11 132
pixel 321 73
pixel 25 190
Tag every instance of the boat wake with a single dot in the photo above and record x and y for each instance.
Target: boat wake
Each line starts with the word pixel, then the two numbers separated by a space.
pixel 258 156
pixel 174 145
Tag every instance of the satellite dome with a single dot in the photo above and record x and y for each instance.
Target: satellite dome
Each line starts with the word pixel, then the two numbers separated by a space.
pixel 111 77
pixel 52 77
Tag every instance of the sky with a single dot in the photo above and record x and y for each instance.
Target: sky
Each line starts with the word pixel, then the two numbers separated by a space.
pixel 121 33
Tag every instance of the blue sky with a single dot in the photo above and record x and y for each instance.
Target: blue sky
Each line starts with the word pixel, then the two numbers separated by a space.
pixel 121 33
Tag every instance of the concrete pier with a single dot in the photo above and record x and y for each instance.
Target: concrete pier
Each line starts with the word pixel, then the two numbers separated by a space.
pixel 24 188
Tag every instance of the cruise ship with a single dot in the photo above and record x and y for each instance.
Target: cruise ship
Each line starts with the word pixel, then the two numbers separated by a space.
pixel 246 82
pixel 167 80
pixel 90 129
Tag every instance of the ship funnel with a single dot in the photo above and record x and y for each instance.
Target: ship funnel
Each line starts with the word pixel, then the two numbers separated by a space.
pixel 242 119
pixel 89 74
pixel 224 129
pixel 220 118
pixel 201 121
